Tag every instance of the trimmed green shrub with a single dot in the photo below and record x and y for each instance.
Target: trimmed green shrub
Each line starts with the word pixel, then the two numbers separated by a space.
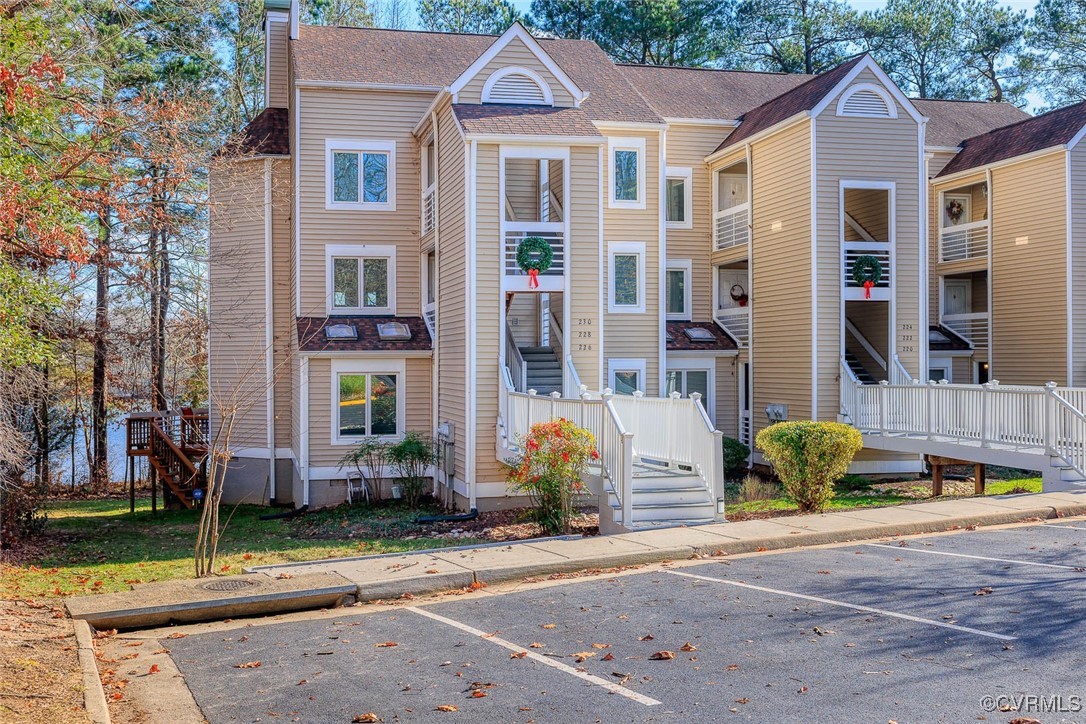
pixel 411 457
pixel 735 457
pixel 809 457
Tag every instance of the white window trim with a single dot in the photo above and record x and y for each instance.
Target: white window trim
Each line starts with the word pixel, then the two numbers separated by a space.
pixel 331 146
pixel 946 363
pixel 877 90
pixel 359 251
pixel 686 266
pixel 488 87
pixel 368 367
pixel 626 144
pixel 627 365
pixel 686 364
pixel 626 248
pixel 687 175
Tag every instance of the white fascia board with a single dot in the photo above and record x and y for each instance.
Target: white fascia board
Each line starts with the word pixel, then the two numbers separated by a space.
pixel 715 122
pixel 629 126
pixel 1077 137
pixel 760 135
pixel 701 353
pixel 536 140
pixel 516 30
pixel 430 110
pixel 868 63
pixel 943 149
pixel 348 85
pixel 364 353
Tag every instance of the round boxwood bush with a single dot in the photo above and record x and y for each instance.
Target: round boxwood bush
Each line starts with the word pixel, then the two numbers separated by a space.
pixel 735 457
pixel 809 457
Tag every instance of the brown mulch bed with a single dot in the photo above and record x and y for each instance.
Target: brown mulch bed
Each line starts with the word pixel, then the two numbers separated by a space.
pixel 40 679
pixel 505 525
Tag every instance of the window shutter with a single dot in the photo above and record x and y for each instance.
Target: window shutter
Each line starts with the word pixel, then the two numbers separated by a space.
pixel 516 88
pixel 865 103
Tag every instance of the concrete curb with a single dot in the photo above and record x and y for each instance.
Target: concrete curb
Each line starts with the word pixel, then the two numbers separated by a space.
pixel 94 696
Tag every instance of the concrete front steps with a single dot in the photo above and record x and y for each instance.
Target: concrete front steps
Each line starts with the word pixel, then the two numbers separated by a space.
pixel 544 369
pixel 662 497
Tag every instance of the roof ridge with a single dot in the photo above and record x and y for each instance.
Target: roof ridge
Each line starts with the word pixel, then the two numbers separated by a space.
pixel 1046 114
pixel 962 100
pixel 406 31
pixel 713 70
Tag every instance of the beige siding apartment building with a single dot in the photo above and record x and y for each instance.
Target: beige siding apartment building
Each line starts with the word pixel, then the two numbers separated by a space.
pixel 710 232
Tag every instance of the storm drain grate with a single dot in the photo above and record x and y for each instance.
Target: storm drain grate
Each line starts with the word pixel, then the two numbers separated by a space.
pixel 230 584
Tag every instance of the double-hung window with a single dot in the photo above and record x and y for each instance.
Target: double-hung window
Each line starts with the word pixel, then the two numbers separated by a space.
pixel 626 376
pixel 677 289
pixel 626 163
pixel 687 381
pixel 361 279
pixel 367 400
pixel 626 293
pixel 360 174
pixel 677 193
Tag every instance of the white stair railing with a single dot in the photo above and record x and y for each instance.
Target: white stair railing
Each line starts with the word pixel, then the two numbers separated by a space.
pixel 515 361
pixel 1034 419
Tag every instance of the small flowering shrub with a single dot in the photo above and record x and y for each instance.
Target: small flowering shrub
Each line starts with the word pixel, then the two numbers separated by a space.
pixel 556 455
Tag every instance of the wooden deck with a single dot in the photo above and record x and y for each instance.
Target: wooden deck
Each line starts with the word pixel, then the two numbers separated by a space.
pixel 175 443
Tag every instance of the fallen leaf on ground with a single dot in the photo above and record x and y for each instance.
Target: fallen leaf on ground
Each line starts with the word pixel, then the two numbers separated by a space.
pixel 367 718
pixel 518 655
pixel 249 665
pixel 478 694
pixel 445 707
pixel 177 635
pixel 646 637
pixel 608 657
pixel 688 647
pixel 982 591
pixel 582 656
pixel 154 669
pixel 733 667
pixel 744 700
pixel 387 645
pixel 601 646
pixel 662 656
pixel 535 645
pixel 303 682
pixel 550 625
pixel 284 576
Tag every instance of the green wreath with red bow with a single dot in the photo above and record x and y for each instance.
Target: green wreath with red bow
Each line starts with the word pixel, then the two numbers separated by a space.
pixel 534 256
pixel 867 272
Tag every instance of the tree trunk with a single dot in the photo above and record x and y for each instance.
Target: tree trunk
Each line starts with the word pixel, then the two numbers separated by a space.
pixel 42 463
pixel 99 474
pixel 158 253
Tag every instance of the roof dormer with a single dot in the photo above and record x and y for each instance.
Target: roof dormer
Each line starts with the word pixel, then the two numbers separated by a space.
pixel 516 70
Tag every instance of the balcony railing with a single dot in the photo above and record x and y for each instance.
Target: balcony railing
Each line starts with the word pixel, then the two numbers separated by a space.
pixel 551 280
pixel 731 227
pixel 429 315
pixel 736 322
pixel 973 327
pixel 429 210
pixel 853 250
pixel 967 241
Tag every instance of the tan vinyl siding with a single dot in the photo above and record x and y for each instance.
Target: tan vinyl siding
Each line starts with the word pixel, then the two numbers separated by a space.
pixel 521 189
pixel 359 115
pixel 415 388
pixel 1029 278
pixel 585 273
pixel 237 293
pixel 487 303
pixel 278 73
pixel 516 53
pixel 1078 262
pixel 687 147
pixel 727 396
pixel 452 282
pixel 875 149
pixel 781 283
pixel 523 318
pixel 282 299
pixel 636 336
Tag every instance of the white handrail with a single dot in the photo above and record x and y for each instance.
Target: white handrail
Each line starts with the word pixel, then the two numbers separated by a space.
pixel 616 456
pixel 570 379
pixel 515 360
pixel 898 374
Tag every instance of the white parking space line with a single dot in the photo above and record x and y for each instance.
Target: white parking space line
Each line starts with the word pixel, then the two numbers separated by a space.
pixel 522 650
pixel 978 558
pixel 1063 527
pixel 853 606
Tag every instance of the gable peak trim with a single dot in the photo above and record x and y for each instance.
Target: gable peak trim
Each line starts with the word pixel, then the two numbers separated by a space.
pixel 868 63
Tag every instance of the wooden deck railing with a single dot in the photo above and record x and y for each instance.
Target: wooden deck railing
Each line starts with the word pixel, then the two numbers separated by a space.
pixel 188 430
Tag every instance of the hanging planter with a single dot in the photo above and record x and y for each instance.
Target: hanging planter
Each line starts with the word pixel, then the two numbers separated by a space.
pixel 867 272
pixel 534 256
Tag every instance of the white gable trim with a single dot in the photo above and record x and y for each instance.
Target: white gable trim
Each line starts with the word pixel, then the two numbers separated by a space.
pixel 867 63
pixel 878 90
pixel 516 30
pixel 1078 137
pixel 488 87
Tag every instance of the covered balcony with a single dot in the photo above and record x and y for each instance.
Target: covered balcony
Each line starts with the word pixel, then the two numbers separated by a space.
pixel 731 207
pixel 866 258
pixel 963 307
pixel 731 310
pixel 532 193
pixel 963 223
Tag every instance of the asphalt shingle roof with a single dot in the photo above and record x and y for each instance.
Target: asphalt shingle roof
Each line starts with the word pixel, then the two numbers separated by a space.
pixel 311 337
pixel 951 122
pixel 520 119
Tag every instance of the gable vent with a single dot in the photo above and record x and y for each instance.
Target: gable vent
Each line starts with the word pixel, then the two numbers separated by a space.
pixel 865 103
pixel 516 88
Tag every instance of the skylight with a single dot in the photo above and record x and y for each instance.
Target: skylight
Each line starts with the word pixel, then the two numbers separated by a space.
pixel 341 331
pixel 699 334
pixel 394 332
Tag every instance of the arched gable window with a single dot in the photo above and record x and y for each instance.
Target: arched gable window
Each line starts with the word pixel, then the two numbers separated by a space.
pixel 518 86
pixel 866 100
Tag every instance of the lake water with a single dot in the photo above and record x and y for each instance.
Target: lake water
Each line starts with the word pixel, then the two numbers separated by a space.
pixel 61 460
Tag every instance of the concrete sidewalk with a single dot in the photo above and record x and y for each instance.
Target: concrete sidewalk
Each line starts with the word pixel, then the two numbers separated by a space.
pixel 295 586
pixel 386 577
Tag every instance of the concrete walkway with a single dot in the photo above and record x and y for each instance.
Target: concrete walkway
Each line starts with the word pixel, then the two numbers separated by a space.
pixel 391 576
pixel 297 586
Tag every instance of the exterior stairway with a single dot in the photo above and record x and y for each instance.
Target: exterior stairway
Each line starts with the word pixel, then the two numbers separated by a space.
pixel 664 497
pixel 858 369
pixel 544 369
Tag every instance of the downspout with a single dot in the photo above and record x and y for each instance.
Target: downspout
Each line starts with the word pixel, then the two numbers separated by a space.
pixel 269 329
pixel 470 452
pixel 303 395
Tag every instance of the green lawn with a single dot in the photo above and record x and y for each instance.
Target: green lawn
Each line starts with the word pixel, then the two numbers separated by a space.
pixel 848 500
pixel 95 546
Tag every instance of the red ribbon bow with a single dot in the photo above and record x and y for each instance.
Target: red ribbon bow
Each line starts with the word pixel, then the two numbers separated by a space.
pixel 533 278
pixel 867 288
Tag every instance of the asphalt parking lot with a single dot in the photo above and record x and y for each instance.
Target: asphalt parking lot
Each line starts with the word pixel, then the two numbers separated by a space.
pixel 980 625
